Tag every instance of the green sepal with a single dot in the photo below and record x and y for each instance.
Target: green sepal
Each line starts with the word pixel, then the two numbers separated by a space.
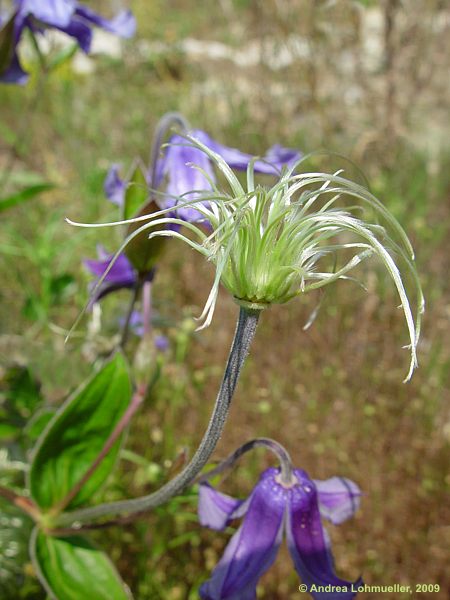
pixel 7 44
pixel 76 435
pixel 136 194
pixel 71 568
pixel 142 252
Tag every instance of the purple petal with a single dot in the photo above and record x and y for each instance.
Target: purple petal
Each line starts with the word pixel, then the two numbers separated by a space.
pixel 253 548
pixel 183 178
pixel 123 24
pixel 121 272
pixel 159 172
pixel 309 545
pixel 114 187
pixel 14 72
pixel 339 499
pixel 232 156
pixel 11 32
pixel 276 158
pixel 56 13
pixel 215 509
pixel 80 31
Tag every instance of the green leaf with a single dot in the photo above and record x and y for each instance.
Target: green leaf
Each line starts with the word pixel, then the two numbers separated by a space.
pixel 38 422
pixel 61 286
pixel 77 434
pixel 24 195
pixel 8 431
pixel 71 568
pixel 136 194
pixel 141 252
pixel 18 177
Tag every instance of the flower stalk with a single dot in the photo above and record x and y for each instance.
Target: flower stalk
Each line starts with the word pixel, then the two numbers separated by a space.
pixel 245 331
pixel 286 468
pixel 126 325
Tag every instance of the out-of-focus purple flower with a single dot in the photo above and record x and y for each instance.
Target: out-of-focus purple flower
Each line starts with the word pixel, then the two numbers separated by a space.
pixel 68 16
pixel 189 173
pixel 120 276
pixel 136 323
pixel 162 343
pixel 113 186
pixel 137 327
pixel 272 510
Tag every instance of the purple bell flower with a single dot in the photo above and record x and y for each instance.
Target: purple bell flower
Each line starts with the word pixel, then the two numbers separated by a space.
pixel 185 181
pixel 273 510
pixel 68 16
pixel 121 275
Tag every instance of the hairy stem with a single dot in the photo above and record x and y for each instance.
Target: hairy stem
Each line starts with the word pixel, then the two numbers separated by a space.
pixel 243 336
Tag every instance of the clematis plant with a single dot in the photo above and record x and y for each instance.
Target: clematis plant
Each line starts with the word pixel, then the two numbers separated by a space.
pixel 268 243
pixel 69 16
pixel 285 502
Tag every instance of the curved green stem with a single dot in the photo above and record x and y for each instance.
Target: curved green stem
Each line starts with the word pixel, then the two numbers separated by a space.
pixel 243 336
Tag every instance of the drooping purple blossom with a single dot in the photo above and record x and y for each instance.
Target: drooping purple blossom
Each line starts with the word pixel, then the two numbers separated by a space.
pixel 68 16
pixel 188 171
pixel 273 510
pixel 121 275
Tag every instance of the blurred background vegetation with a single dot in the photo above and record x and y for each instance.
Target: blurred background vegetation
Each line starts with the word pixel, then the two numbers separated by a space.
pixel 365 79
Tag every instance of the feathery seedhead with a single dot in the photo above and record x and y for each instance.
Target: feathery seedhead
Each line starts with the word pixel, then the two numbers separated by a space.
pixel 271 244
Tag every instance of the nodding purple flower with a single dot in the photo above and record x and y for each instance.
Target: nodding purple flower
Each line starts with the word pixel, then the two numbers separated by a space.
pixel 273 510
pixel 189 172
pixel 68 16
pixel 120 276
